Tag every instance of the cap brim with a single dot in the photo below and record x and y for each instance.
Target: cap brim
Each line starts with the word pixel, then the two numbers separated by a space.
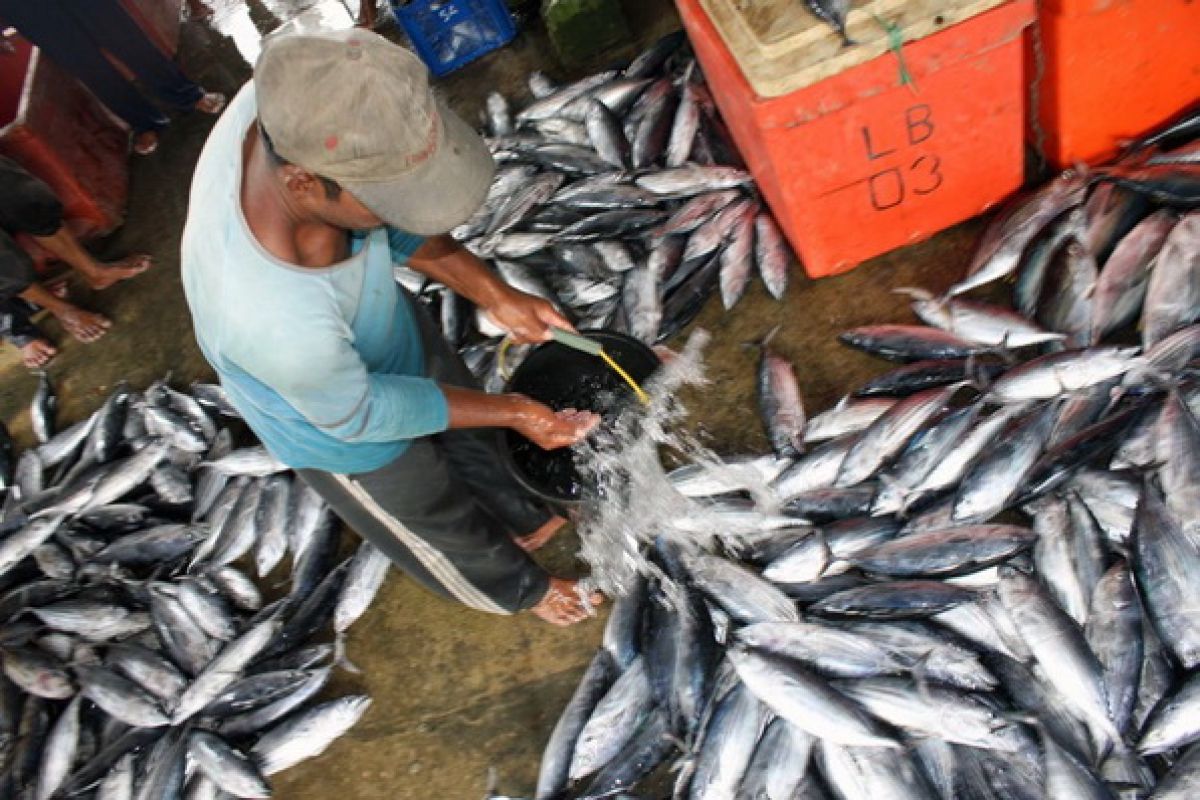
pixel 443 192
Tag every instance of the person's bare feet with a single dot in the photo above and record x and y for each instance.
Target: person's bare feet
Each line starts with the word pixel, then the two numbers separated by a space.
pixel 124 269
pixel 37 353
pixel 145 143
pixel 562 605
pixel 57 287
pixel 539 538
pixel 198 10
pixel 86 326
pixel 211 103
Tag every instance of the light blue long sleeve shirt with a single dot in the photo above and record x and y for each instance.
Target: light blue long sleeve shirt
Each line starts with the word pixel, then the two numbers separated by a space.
pixel 326 365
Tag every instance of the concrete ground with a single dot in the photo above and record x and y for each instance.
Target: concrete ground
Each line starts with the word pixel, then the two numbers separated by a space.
pixel 455 692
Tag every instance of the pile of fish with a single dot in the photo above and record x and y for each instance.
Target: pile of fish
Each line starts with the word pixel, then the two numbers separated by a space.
pixel 138 660
pixel 619 199
pixel 975 577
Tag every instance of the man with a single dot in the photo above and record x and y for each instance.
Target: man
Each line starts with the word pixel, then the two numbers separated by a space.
pixel 287 267
pixel 82 36
pixel 29 206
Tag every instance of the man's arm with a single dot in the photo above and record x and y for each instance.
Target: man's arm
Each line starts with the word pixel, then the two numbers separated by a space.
pixel 538 423
pixel 525 317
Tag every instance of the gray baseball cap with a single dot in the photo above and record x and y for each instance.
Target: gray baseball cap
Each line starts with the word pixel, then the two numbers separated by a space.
pixel 353 107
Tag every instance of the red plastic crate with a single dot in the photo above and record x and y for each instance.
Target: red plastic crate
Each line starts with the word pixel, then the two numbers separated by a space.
pixel 160 19
pixel 856 164
pixel 60 132
pixel 1113 70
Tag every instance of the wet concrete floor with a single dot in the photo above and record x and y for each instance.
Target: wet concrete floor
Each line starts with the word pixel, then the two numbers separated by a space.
pixel 455 692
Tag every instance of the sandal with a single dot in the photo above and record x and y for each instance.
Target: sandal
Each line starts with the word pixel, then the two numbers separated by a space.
pixel 211 103
pixel 145 143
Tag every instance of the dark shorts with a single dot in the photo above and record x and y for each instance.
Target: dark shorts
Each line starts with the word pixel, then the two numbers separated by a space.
pixel 27 205
pixel 445 511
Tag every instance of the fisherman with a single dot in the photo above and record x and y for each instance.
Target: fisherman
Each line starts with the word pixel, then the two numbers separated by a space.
pixel 28 206
pixel 334 163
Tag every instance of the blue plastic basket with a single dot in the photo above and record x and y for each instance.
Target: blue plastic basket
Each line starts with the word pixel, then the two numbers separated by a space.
pixel 449 33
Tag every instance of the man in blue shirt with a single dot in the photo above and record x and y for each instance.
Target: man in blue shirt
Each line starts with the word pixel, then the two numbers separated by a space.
pixel 336 161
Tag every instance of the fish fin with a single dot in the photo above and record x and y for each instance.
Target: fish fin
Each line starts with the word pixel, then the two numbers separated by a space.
pixel 493 780
pixel 819 534
pixel 914 292
pixel 978 379
pixel 920 675
pixel 765 340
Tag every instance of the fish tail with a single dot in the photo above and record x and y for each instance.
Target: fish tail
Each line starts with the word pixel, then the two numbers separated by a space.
pixel 339 655
pixel 765 340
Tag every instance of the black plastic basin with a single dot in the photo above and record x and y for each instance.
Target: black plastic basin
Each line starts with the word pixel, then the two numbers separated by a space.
pixel 562 378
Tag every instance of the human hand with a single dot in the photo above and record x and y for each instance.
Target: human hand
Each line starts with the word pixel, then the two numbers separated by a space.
pixel 527 319
pixel 550 429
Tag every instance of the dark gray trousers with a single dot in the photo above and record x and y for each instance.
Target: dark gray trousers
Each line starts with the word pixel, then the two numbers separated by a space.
pixel 445 511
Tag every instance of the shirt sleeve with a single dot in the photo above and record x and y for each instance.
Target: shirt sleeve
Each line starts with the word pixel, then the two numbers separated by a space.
pixel 403 245
pixel 319 373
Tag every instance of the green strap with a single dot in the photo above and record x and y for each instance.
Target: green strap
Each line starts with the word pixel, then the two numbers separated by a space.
pixel 895 43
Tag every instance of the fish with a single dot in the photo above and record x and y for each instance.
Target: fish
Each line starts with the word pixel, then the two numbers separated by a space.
pixel 807 701
pixel 1058 645
pixel 1049 376
pixel 978 322
pixel 44 409
pixel 946 552
pixel 729 743
pixel 1121 288
pixel 1163 560
pixel 143 620
pixel 1173 292
pixel 946 714
pixel 887 435
pixel 308 733
pixel 909 342
pixel 992 482
pixel 908 599
pixel 554 773
pixel 59 750
pixel 999 252
pixel 120 698
pixel 612 722
pixel 833 13
pixel 780 402
pixel 225 766
pixel 771 255
pixel 780 762
pixel 829 651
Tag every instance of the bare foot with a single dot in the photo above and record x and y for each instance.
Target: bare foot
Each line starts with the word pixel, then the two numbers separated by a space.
pixel 665 354
pixel 539 538
pixel 211 103
pixel 85 326
pixel 562 605
pixel 38 353
pixel 57 287
pixel 121 270
pixel 198 10
pixel 145 143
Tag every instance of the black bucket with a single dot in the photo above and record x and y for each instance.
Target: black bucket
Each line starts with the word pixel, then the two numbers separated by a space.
pixel 562 377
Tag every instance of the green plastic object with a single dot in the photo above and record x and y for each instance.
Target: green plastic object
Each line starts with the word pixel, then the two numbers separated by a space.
pixel 577 342
pixel 583 29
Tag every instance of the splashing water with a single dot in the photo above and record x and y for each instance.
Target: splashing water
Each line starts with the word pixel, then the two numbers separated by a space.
pixel 629 501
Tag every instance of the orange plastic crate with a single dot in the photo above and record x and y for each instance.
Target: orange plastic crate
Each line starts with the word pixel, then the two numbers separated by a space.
pixel 1113 70
pixel 857 164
